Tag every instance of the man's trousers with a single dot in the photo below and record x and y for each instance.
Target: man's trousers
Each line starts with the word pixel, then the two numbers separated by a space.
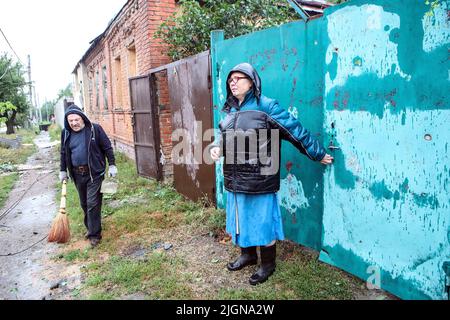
pixel 91 203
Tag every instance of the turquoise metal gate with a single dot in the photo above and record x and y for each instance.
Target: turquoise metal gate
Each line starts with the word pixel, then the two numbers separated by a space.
pixel 386 201
pixel 279 55
pixel 371 80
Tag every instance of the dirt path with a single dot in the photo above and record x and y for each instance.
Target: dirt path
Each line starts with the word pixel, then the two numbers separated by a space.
pixel 25 220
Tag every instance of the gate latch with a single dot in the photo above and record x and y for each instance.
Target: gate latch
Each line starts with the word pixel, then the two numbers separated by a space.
pixel 331 146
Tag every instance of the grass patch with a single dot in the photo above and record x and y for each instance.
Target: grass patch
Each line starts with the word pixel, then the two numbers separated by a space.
pixel 55 132
pixel 26 135
pixel 298 277
pixel 142 204
pixel 18 156
pixel 6 185
pixel 74 255
pixel 11 157
pixel 153 277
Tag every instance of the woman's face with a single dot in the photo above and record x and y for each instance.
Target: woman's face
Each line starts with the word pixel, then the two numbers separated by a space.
pixel 239 84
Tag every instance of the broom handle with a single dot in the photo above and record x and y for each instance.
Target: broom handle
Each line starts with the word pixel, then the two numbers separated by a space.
pixel 64 188
pixel 62 206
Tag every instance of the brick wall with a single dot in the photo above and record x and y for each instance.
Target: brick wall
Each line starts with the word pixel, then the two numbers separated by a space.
pixel 128 49
pixel 165 121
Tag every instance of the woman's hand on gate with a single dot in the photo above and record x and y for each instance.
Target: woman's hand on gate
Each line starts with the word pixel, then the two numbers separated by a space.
pixel 327 160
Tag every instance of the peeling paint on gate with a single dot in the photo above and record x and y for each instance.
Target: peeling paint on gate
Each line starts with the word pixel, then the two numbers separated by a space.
pixel 292 195
pixel 371 79
pixel 393 66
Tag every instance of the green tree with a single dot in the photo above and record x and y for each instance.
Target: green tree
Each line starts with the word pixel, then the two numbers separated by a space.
pixel 6 107
pixel 12 85
pixel 66 92
pixel 188 33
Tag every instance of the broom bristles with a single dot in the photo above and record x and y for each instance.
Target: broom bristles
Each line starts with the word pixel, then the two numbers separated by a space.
pixel 60 230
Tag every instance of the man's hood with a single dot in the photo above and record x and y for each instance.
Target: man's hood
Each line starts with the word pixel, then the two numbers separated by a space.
pixel 249 71
pixel 73 109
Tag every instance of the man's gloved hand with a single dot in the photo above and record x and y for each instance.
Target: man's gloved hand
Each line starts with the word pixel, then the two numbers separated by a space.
pixel 112 171
pixel 63 176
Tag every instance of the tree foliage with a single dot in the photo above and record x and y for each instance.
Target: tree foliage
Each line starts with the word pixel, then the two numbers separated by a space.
pixel 12 86
pixel 188 33
pixel 66 92
pixel 6 107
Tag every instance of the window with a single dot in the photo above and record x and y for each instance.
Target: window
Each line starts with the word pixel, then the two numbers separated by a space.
pixel 105 88
pixel 132 67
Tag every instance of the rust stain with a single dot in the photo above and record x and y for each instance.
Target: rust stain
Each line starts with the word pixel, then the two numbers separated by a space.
pixel 289 165
pixel 391 94
pixel 295 67
pixel 318 101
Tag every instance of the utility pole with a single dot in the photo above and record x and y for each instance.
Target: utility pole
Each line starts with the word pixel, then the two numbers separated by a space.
pixel 35 104
pixel 30 88
pixel 38 107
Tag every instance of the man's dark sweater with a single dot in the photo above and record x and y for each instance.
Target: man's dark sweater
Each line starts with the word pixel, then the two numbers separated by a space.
pixel 78 149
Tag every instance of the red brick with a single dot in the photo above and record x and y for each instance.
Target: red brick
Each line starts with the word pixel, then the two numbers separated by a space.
pixel 149 55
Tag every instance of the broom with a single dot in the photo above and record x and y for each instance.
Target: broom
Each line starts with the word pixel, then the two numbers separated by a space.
pixel 60 231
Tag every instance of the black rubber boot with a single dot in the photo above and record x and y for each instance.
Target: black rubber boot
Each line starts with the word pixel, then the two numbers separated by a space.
pixel 267 268
pixel 248 257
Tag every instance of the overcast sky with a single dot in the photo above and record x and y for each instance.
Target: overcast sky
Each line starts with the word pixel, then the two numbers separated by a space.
pixel 55 33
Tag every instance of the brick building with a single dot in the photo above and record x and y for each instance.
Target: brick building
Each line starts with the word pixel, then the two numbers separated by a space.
pixel 124 50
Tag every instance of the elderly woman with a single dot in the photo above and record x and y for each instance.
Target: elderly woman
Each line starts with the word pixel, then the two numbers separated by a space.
pixel 250 132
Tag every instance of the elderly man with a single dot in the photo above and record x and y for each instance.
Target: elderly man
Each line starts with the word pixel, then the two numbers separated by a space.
pixel 84 146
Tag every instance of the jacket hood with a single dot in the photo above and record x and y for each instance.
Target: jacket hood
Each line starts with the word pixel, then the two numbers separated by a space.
pixel 249 71
pixel 73 109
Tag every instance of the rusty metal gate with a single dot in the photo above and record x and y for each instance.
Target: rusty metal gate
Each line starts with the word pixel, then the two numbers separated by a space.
pixel 145 127
pixel 191 106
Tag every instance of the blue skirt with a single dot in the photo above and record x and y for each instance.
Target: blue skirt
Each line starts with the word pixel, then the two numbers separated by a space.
pixel 259 219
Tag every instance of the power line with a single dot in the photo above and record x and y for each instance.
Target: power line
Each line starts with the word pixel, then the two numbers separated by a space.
pixel 4 36
pixel 21 251
pixel 9 210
